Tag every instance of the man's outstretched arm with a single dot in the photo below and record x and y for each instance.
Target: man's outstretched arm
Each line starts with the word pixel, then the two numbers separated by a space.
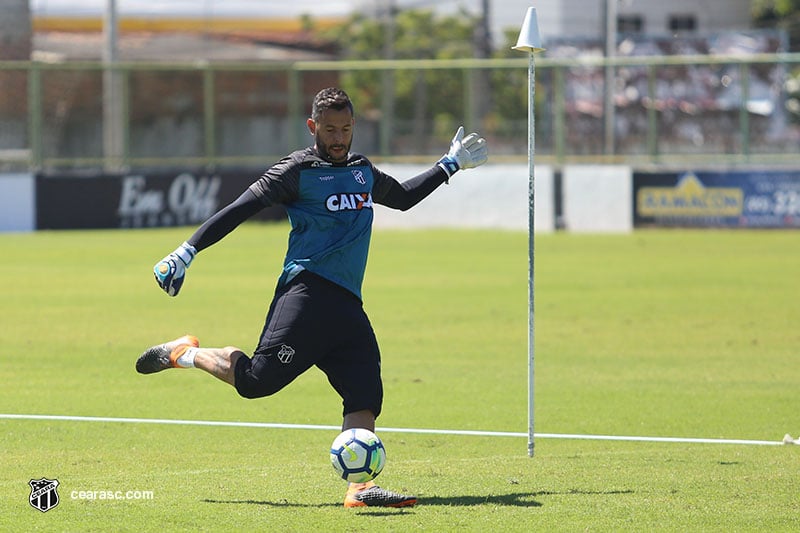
pixel 464 153
pixel 171 271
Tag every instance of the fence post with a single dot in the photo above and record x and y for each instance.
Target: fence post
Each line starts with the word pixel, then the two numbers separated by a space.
pixel 125 112
pixel 468 75
pixel 744 115
pixel 294 106
pixel 652 115
pixel 560 124
pixel 35 115
pixel 209 118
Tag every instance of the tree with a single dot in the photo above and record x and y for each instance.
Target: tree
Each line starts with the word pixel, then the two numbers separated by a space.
pixel 781 14
pixel 420 35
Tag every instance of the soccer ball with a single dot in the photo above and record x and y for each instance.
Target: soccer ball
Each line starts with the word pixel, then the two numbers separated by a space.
pixel 358 455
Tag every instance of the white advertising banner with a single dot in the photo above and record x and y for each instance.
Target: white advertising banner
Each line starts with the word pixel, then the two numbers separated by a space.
pixel 491 196
pixel 598 199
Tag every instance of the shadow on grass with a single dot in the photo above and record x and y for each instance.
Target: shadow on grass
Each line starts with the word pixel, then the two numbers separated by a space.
pixel 519 499
pixel 279 503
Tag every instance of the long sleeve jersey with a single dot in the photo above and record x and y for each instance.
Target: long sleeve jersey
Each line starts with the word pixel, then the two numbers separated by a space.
pixel 329 208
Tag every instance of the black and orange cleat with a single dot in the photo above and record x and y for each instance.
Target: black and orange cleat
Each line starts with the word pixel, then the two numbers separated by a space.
pixel 374 496
pixel 163 356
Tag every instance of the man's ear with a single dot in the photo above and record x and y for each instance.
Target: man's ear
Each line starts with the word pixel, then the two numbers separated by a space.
pixel 312 126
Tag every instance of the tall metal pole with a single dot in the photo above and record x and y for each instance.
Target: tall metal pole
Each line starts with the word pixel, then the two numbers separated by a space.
pixel 529 41
pixel 531 247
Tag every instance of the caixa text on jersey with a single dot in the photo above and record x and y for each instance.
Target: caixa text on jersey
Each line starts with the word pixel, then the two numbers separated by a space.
pixel 349 201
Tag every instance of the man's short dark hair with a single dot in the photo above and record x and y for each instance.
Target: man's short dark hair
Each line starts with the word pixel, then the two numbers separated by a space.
pixel 330 98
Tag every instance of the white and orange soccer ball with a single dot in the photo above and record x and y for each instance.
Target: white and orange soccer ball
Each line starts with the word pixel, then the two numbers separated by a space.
pixel 358 455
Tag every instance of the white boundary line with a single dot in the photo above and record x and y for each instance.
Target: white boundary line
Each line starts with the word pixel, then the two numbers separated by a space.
pixel 223 423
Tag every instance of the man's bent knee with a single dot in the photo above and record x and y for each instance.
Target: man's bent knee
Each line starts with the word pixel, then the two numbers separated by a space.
pixel 249 383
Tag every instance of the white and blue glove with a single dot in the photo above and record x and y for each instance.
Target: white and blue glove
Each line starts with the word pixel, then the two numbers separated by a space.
pixel 171 270
pixel 469 152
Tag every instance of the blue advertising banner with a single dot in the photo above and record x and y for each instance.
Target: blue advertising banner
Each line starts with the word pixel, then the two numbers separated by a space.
pixel 744 199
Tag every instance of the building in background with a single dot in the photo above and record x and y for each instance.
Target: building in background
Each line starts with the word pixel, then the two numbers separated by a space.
pixel 582 19
pixel 16 43
pixel 557 18
pixel 586 19
pixel 15 29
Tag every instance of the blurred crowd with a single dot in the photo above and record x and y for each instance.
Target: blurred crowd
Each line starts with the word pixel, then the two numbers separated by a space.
pixel 699 104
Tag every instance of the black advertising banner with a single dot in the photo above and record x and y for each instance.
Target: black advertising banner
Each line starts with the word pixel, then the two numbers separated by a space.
pixel 138 200
pixel 742 199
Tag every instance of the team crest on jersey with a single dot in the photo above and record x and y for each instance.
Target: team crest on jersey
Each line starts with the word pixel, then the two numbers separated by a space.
pixel 359 176
pixel 349 201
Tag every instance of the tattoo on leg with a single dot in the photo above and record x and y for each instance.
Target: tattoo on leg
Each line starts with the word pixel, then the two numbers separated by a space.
pixel 221 365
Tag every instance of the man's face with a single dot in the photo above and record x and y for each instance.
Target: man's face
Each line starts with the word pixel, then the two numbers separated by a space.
pixel 333 134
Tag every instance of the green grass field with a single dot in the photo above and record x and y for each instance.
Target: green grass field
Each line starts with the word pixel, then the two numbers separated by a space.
pixel 657 333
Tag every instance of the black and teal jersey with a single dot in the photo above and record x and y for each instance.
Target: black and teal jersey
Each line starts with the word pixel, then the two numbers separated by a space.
pixel 330 210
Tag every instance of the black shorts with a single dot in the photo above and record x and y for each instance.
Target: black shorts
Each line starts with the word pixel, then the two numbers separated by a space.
pixel 313 321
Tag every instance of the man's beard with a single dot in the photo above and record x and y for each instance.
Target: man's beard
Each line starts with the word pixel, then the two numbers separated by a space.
pixel 324 151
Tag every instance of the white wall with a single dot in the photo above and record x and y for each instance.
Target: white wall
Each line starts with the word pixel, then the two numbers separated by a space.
pixel 586 18
pixel 491 196
pixel 598 198
pixel 711 15
pixel 17 202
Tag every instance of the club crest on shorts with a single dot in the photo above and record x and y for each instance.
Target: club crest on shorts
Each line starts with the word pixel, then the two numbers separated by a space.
pixel 43 494
pixel 285 354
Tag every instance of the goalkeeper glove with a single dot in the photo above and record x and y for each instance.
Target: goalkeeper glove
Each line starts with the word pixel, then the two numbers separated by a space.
pixel 468 152
pixel 171 270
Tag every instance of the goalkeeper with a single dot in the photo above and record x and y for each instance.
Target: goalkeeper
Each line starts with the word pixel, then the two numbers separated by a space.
pixel 316 317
